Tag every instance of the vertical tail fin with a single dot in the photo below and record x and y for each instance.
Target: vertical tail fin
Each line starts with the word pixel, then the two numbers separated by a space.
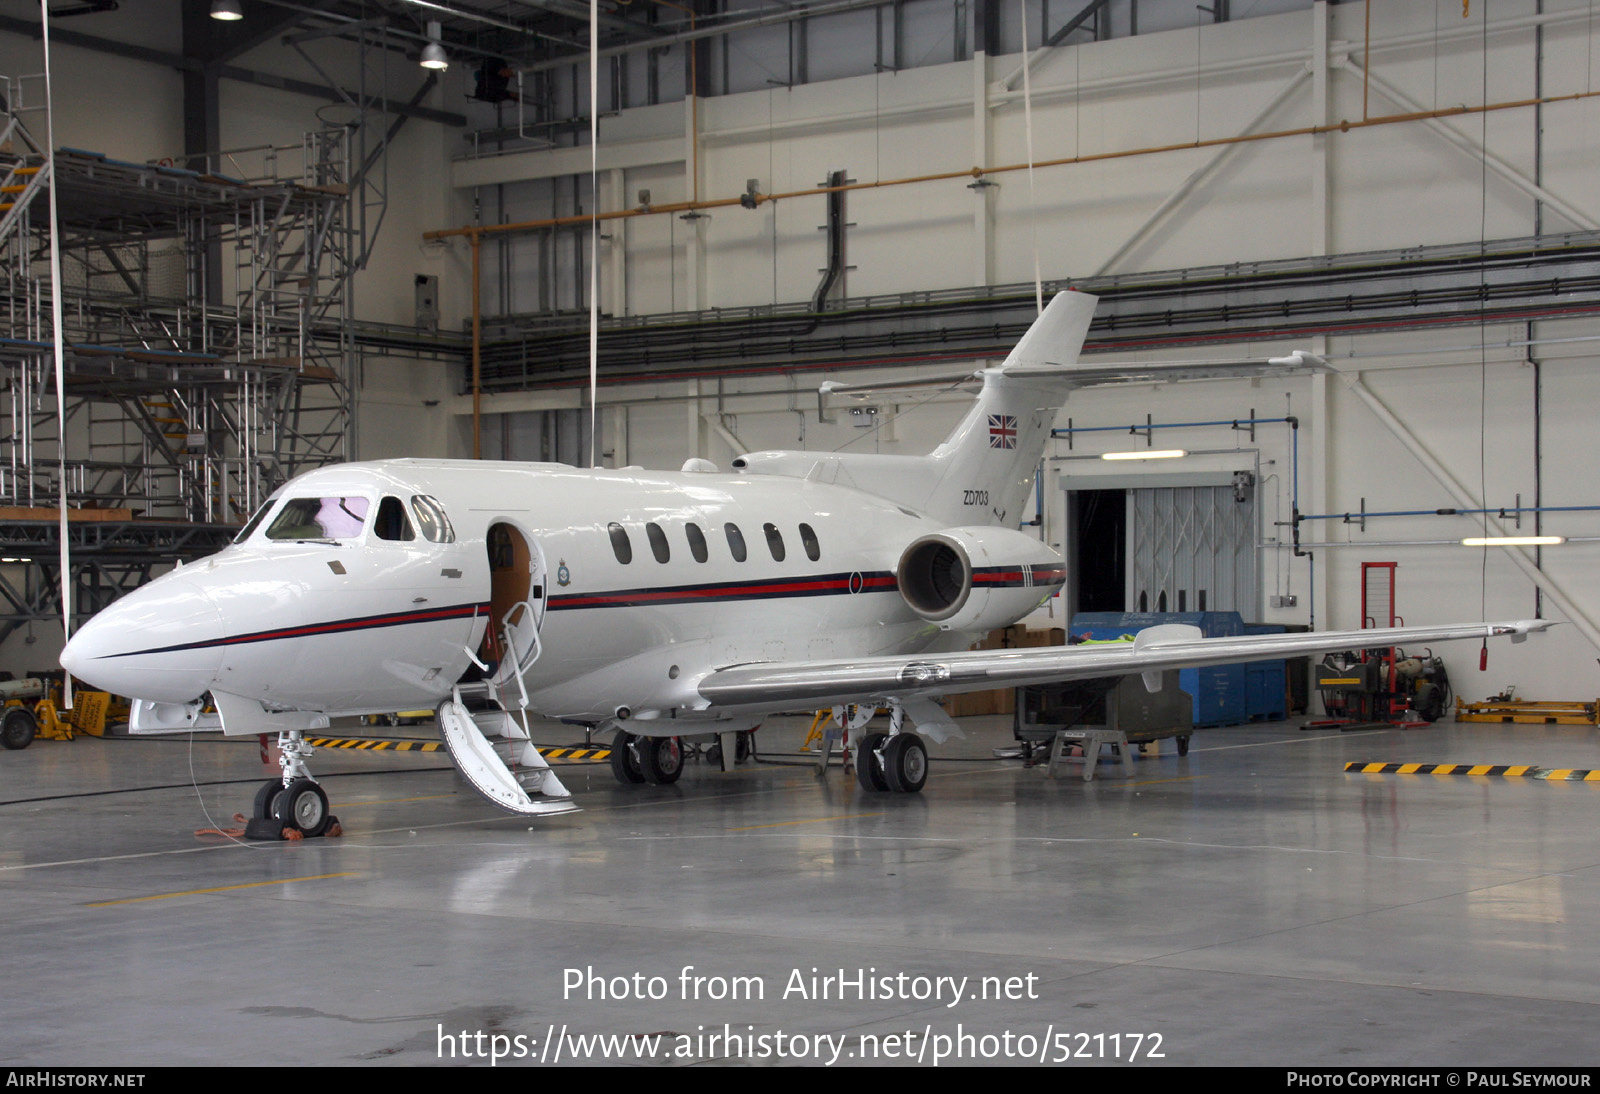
pixel 985 467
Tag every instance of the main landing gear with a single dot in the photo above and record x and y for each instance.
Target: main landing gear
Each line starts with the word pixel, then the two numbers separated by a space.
pixel 636 759
pixel 293 802
pixel 897 762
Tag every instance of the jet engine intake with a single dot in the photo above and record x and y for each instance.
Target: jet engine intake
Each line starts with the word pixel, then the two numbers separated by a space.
pixel 977 578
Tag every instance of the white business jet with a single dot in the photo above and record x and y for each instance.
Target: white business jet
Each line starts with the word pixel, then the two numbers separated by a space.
pixel 655 604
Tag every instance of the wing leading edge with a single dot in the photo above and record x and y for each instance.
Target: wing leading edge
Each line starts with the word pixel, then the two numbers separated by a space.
pixel 774 684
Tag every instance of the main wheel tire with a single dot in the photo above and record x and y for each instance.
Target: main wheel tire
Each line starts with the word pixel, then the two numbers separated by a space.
pixel 905 763
pixel 265 797
pixel 623 764
pixel 662 759
pixel 869 774
pixel 18 728
pixel 304 805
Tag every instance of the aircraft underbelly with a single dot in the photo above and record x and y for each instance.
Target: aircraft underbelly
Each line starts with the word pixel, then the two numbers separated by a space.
pixel 591 665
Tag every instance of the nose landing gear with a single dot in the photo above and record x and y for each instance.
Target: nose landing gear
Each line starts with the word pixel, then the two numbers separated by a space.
pixel 293 803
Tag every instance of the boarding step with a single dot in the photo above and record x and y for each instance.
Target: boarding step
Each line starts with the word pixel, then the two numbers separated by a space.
pixel 493 753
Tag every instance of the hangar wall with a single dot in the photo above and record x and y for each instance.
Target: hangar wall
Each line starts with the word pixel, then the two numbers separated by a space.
pixel 1467 396
pixel 132 110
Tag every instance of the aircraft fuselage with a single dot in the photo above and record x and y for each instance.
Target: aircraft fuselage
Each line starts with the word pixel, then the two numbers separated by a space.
pixel 636 583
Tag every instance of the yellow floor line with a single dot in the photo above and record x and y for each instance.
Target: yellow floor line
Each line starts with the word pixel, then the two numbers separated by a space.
pixel 813 820
pixel 218 889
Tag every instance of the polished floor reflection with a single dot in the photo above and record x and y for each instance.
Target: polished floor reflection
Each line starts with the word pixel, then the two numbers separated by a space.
pixel 1249 903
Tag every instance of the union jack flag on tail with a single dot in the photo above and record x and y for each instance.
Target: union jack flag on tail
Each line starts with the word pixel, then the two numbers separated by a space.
pixel 1002 431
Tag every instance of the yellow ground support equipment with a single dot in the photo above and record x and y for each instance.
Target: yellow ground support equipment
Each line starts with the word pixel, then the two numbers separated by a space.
pixel 1530 713
pixel 89 712
pixel 51 727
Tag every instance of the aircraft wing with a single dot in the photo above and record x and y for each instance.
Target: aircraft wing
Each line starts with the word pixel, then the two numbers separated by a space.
pixel 778 684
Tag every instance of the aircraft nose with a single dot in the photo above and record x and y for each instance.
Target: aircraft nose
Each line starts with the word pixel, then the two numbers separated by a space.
pixel 162 642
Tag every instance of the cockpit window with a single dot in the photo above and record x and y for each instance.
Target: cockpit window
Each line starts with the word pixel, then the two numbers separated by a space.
pixel 319 518
pixel 255 522
pixel 431 519
pixel 392 522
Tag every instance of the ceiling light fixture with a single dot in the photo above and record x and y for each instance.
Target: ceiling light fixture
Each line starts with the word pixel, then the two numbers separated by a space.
pixel 226 10
pixel 1147 454
pixel 433 54
pixel 1512 541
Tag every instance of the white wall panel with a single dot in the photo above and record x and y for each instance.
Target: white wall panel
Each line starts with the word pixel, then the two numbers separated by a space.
pixel 1389 186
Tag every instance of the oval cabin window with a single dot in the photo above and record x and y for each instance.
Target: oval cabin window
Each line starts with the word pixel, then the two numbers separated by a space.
pixel 658 542
pixel 774 542
pixel 697 542
pixel 808 538
pixel 619 543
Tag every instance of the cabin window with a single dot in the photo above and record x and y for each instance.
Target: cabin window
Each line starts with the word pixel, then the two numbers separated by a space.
pixel 319 518
pixel 774 541
pixel 735 542
pixel 619 543
pixel 697 542
pixel 392 522
pixel 249 529
pixel 431 519
pixel 808 537
pixel 658 541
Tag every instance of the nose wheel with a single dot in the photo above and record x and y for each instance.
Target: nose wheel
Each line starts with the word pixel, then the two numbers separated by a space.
pixel 303 804
pixel 293 802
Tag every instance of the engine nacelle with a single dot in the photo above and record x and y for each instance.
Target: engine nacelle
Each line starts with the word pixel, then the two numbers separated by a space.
pixel 979 578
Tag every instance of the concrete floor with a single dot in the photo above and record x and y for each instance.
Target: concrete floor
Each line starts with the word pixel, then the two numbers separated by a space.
pixel 1248 904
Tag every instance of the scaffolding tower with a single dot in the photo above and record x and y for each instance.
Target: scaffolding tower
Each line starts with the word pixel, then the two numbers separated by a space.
pixel 208 351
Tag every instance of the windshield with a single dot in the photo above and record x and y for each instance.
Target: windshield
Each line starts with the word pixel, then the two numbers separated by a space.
pixel 249 529
pixel 319 518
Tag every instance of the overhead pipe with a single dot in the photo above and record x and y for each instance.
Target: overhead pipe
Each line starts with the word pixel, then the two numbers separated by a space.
pixel 754 200
pixel 1500 512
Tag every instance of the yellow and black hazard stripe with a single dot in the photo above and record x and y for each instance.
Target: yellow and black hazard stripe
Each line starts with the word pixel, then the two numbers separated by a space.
pixel 371 744
pixel 1509 771
pixel 1571 774
pixel 576 755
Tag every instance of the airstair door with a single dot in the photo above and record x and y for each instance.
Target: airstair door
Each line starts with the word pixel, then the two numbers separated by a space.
pixel 517 596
